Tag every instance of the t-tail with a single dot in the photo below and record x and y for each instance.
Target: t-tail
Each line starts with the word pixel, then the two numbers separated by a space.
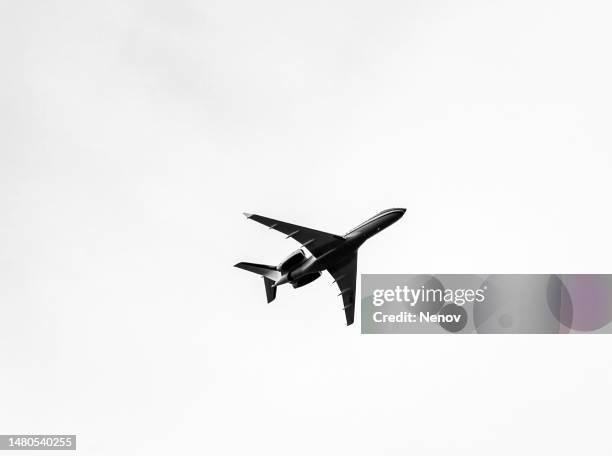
pixel 269 273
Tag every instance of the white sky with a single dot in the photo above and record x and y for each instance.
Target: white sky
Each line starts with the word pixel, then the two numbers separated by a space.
pixel 134 133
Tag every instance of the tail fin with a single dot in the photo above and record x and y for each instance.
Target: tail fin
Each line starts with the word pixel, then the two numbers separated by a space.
pixel 270 289
pixel 270 275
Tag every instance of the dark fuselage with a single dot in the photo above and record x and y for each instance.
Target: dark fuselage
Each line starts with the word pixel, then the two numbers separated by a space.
pixel 311 266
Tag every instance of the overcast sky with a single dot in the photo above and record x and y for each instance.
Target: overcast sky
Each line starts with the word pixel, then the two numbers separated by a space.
pixel 135 133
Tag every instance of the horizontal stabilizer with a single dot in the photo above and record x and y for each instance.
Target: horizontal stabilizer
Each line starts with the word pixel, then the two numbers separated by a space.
pixel 269 273
pixel 262 269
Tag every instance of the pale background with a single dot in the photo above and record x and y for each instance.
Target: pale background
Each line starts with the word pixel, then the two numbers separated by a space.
pixel 133 135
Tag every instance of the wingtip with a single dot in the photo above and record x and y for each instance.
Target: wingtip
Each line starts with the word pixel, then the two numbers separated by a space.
pixel 247 215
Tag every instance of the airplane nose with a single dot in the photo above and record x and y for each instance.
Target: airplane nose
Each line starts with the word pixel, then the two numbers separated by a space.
pixel 400 211
pixel 396 214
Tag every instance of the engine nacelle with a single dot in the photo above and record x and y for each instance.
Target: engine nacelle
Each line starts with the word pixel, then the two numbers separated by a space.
pixel 305 280
pixel 293 260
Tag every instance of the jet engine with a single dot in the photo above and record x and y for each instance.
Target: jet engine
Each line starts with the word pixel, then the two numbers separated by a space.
pixel 306 279
pixel 293 260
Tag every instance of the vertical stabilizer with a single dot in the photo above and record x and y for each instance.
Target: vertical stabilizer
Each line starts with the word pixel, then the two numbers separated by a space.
pixel 270 289
pixel 269 273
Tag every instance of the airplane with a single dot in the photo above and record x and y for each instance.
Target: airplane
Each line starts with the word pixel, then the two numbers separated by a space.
pixel 336 254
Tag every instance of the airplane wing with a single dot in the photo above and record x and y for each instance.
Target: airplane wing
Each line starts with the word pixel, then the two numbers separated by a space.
pixel 345 275
pixel 317 242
